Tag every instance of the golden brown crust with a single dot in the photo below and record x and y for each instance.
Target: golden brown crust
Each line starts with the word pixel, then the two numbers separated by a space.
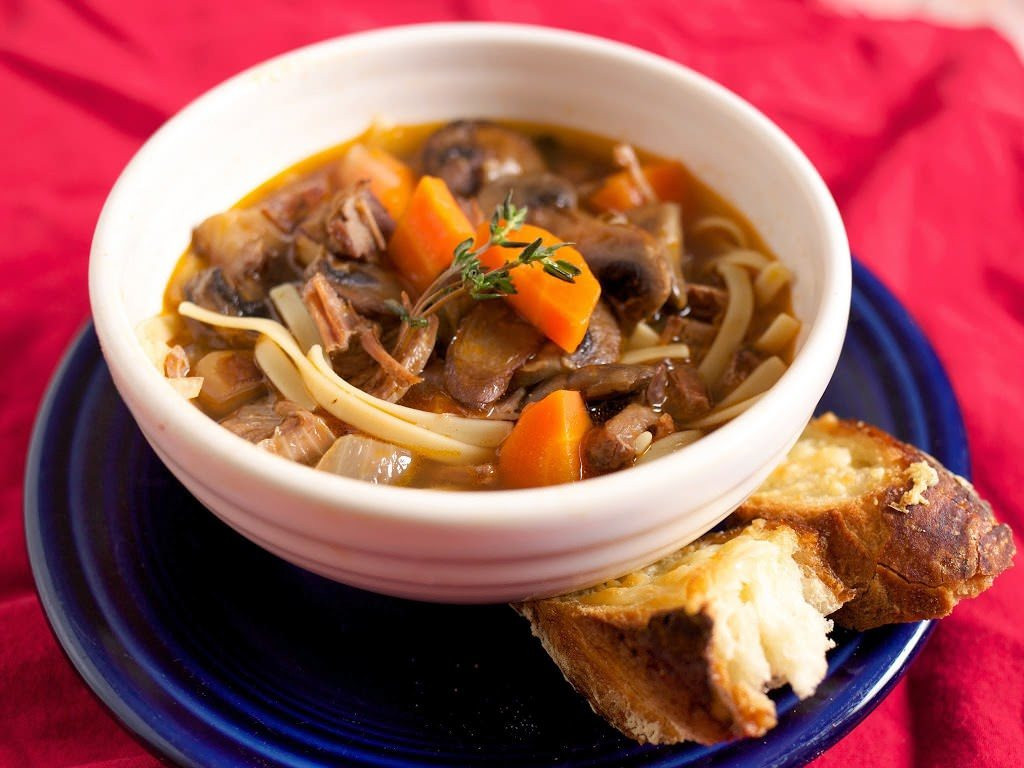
pixel 650 667
pixel 911 546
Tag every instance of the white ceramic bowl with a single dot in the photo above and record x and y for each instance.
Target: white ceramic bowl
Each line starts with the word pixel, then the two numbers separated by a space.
pixel 437 545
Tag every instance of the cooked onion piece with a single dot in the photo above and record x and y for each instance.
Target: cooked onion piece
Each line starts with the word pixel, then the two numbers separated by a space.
pixel 643 336
pixel 770 281
pixel 719 224
pixel 782 330
pixel 670 444
pixel 188 387
pixel 721 415
pixel 658 352
pixel 761 379
pixel 365 458
pixel 734 325
pixel 361 410
pixel 282 373
pixel 289 303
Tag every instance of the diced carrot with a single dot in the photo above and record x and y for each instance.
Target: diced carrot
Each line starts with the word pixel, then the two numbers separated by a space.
pixel 620 193
pixel 391 180
pixel 559 310
pixel 544 446
pixel 427 232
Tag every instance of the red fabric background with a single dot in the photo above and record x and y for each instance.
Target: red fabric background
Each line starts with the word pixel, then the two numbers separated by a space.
pixel 919 132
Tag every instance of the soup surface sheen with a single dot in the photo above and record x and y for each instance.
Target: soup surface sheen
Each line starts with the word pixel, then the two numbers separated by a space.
pixel 475 305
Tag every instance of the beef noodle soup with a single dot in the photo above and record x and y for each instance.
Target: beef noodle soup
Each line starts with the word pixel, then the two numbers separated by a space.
pixel 475 305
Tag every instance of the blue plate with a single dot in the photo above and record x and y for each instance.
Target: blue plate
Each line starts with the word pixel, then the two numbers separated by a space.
pixel 214 652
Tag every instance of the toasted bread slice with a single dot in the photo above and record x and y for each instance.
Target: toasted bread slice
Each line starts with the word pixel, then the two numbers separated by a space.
pixel 686 648
pixel 909 538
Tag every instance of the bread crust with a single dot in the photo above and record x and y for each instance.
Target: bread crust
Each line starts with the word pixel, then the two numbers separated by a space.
pixel 911 546
pixel 651 671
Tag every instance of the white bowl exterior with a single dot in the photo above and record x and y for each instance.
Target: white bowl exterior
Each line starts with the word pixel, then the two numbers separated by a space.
pixel 476 547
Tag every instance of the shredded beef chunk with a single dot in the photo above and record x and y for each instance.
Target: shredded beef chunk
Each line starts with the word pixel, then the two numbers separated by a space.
pixel 370 288
pixel 470 153
pixel 287 207
pixel 678 390
pixel 613 445
pixel 491 343
pixel 301 436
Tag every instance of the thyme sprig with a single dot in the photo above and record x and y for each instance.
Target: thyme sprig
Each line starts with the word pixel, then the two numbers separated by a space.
pixel 468 276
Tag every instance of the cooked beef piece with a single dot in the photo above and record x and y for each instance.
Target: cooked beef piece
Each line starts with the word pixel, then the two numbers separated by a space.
pixel 612 445
pixel 491 343
pixel 288 206
pixel 706 302
pixel 697 335
pixel 254 421
pixel 253 253
pixel 401 369
pixel 338 322
pixel 357 225
pixel 663 222
pixel 335 317
pixel 678 390
pixel 536 191
pixel 596 382
pixel 635 277
pixel 601 344
pixel 370 288
pixel 301 436
pixel 470 153
pixel 741 365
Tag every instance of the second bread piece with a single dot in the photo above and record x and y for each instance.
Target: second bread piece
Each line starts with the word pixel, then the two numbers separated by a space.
pixel 906 535
pixel 686 648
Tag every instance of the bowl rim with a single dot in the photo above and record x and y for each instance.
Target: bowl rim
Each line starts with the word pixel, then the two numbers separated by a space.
pixel 500 507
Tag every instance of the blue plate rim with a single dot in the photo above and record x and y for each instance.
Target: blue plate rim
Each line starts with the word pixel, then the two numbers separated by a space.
pixel 910 637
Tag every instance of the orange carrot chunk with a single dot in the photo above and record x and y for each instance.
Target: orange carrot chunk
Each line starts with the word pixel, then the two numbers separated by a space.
pixel 544 446
pixel 391 180
pixel 559 310
pixel 619 191
pixel 427 233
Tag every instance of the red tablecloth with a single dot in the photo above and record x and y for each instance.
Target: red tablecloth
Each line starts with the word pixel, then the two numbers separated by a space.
pixel 919 132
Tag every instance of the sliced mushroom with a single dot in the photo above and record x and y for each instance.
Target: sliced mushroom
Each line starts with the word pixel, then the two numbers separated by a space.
pixel 211 290
pixel 602 342
pixel 253 253
pixel 597 382
pixel 635 277
pixel 536 191
pixel 491 343
pixel 470 153
pixel 663 222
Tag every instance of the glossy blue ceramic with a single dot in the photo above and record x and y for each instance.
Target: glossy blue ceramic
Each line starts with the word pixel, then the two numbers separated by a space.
pixel 215 653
